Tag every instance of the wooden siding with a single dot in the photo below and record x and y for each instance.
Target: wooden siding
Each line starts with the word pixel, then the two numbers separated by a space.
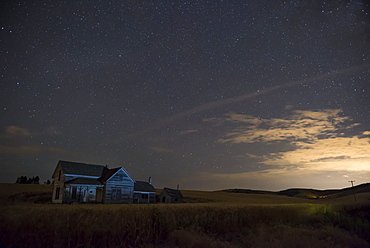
pixel 80 193
pixel 165 197
pixel 58 183
pixel 119 188
pixel 144 197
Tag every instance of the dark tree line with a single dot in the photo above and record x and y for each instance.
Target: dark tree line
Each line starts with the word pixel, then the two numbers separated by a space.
pixel 25 180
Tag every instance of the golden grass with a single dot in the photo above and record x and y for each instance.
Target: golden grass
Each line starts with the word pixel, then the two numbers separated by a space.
pixel 239 198
pixel 220 220
pixel 9 189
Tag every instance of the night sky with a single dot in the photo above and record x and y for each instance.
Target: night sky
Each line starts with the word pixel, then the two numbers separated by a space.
pixel 205 94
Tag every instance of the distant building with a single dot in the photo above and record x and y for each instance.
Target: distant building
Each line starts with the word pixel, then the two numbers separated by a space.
pixel 168 195
pixel 144 192
pixel 80 182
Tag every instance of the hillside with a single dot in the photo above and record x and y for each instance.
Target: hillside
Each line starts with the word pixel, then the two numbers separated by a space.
pixel 309 193
pixel 26 193
pixel 11 192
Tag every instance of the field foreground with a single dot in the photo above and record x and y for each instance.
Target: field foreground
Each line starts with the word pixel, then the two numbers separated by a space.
pixel 209 219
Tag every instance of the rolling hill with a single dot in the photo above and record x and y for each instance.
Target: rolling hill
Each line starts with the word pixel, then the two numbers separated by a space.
pixel 309 193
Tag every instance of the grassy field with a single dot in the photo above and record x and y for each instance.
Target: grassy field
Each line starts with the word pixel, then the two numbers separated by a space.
pixel 208 219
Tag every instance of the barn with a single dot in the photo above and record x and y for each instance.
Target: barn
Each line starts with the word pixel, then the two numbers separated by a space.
pixel 90 183
pixel 168 195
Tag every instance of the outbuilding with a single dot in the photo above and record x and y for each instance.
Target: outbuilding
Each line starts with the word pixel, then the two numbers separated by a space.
pixel 168 195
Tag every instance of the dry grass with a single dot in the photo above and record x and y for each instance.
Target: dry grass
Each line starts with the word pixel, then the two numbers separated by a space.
pixel 222 220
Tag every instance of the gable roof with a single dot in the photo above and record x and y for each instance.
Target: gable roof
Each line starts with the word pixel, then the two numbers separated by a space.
pixel 107 173
pixel 85 181
pixel 143 186
pixel 82 169
pixel 173 192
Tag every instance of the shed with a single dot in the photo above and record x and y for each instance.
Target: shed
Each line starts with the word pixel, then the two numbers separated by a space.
pixel 144 192
pixel 171 196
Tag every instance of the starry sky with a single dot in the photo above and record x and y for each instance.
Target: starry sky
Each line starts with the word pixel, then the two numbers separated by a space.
pixel 205 94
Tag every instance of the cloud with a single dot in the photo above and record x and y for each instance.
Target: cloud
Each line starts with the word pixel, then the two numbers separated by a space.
pixel 16 141
pixel 13 131
pixel 187 131
pixel 300 125
pixel 289 107
pixel 333 154
pixel 366 133
pixel 317 137
pixel 160 149
pixel 28 149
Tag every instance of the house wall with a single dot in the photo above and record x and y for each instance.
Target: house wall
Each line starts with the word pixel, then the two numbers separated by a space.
pixel 165 197
pixel 119 188
pixel 80 193
pixel 144 197
pixel 58 188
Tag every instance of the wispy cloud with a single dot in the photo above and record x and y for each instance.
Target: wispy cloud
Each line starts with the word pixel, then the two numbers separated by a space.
pixel 13 131
pixel 317 137
pixel 160 149
pixel 18 141
pixel 300 125
pixel 28 149
pixel 187 131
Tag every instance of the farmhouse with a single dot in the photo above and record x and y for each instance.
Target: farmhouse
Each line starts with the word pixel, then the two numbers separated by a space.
pixel 80 182
pixel 168 195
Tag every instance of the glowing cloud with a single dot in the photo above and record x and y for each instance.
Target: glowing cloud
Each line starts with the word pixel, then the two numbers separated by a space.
pixel 317 137
pixel 301 125
pixel 333 154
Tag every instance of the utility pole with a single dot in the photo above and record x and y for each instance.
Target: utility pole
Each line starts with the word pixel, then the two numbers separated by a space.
pixel 354 195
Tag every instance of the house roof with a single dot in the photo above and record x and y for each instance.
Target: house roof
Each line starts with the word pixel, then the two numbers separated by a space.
pixel 81 168
pixel 107 173
pixel 143 186
pixel 173 192
pixel 86 181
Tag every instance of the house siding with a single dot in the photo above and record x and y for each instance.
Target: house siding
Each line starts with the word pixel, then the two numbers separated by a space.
pixel 80 193
pixel 144 197
pixel 119 188
pixel 170 196
pixel 58 186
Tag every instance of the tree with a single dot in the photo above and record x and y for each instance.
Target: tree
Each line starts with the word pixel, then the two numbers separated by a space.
pixel 25 180
pixel 36 180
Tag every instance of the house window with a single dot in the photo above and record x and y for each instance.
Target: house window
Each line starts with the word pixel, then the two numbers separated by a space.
pixel 57 192
pixel 74 193
pixel 60 173
pixel 116 194
pixel 144 196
